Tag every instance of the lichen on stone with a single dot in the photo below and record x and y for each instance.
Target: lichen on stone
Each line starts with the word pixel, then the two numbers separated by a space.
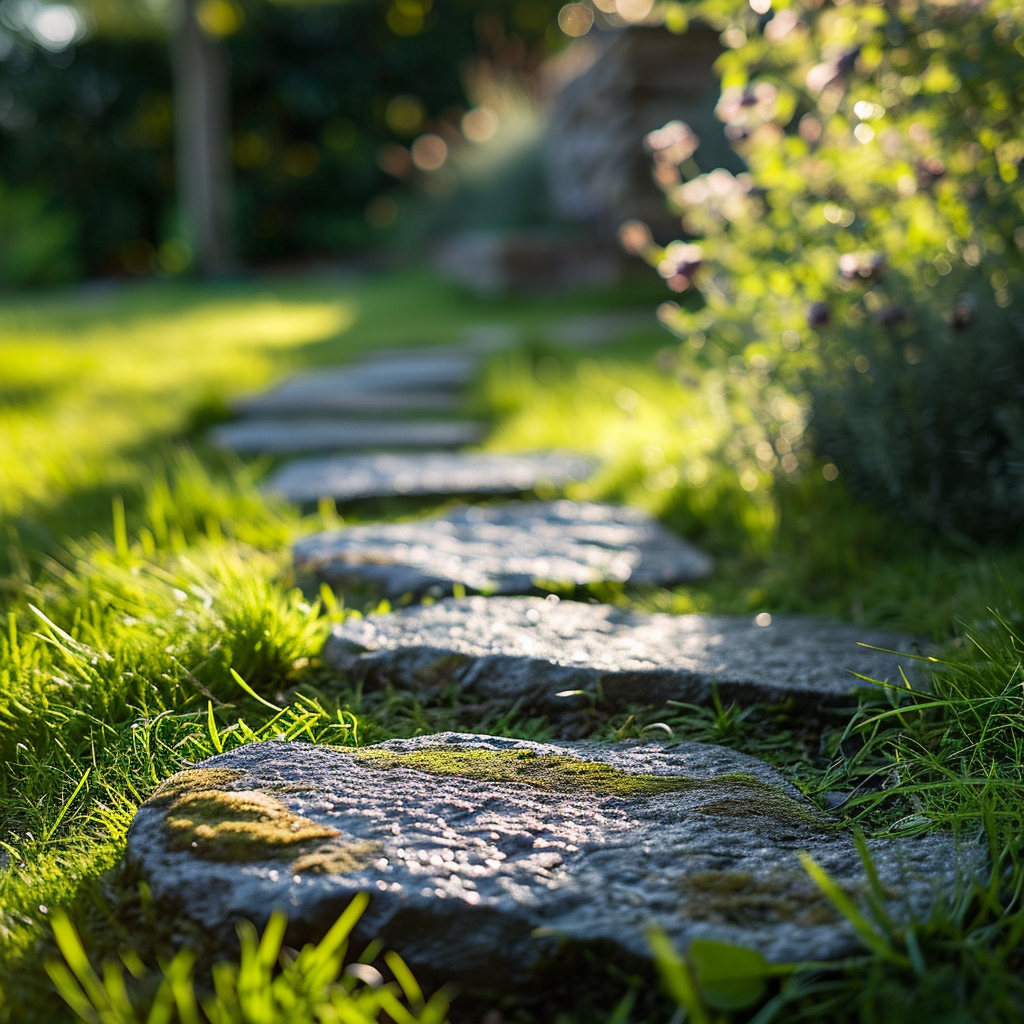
pixel 740 794
pixel 243 825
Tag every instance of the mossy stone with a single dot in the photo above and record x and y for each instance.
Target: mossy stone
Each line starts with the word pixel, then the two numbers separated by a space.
pixel 735 794
pixel 481 854
pixel 238 826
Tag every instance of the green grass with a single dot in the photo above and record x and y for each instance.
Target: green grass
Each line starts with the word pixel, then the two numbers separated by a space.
pixel 143 575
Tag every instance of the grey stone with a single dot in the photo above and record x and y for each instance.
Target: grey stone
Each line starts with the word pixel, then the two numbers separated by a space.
pixel 480 854
pixel 553 655
pixel 348 477
pixel 313 397
pixel 292 437
pixel 527 260
pixel 617 87
pixel 504 550
pixel 417 371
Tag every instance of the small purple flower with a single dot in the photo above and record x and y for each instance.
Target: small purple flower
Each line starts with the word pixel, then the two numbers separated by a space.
pixel 818 314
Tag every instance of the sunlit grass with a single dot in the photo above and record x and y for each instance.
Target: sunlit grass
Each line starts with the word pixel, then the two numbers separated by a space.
pixel 147 575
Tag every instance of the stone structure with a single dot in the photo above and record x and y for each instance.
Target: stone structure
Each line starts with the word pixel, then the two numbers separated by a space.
pixel 642 78
pixel 294 437
pixel 558 656
pixel 349 477
pixel 505 549
pixel 482 854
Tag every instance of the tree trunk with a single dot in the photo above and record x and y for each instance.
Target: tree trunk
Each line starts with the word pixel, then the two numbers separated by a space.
pixel 201 113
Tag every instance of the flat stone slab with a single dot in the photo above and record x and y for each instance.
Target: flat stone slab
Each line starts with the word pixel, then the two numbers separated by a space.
pixel 292 437
pixel 346 478
pixel 554 656
pixel 481 853
pixel 313 398
pixel 413 371
pixel 504 550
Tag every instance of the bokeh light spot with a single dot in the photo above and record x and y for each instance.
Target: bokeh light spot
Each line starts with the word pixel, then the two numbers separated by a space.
pixel 429 152
pixel 480 124
pixel 404 115
pixel 575 19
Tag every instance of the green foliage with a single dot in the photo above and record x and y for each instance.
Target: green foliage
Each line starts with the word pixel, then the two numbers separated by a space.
pixel 872 253
pixel 313 125
pixel 268 985
pixel 167 630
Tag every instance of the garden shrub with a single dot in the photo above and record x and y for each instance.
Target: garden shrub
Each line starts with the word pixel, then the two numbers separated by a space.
pixel 871 256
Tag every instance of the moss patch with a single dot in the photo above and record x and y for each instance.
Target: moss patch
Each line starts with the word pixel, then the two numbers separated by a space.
pixel 240 826
pixel 194 780
pixel 745 794
pixel 338 858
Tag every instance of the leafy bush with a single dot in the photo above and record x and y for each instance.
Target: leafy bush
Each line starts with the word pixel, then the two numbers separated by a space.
pixel 871 256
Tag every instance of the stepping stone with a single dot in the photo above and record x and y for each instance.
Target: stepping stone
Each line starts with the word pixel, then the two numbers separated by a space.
pixel 291 437
pixel 415 371
pixel 481 854
pixel 559 656
pixel 348 477
pixel 503 550
pixel 315 398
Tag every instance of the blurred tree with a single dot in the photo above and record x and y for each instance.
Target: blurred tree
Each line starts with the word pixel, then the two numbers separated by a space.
pixel 326 102
pixel 202 100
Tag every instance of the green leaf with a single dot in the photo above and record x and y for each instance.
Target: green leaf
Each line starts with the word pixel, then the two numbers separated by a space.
pixel 676 976
pixel 730 977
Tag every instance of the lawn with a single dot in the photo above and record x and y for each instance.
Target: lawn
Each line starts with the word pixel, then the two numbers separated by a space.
pixel 150 618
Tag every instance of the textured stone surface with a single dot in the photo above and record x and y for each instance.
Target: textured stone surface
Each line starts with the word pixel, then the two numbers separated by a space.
pixel 479 853
pixel 633 81
pixel 290 437
pixel 504 550
pixel 345 478
pixel 541 652
pixel 332 389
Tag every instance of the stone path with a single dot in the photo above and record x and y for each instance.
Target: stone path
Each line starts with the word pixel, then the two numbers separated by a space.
pixel 414 373
pixel 317 397
pixel 559 656
pixel 314 411
pixel 290 437
pixel 348 477
pixel 480 854
pixel 503 549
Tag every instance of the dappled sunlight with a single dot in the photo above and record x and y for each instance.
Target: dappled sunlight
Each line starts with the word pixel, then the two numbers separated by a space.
pixel 76 396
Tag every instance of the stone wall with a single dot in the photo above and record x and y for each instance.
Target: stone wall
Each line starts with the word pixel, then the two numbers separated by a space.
pixel 642 77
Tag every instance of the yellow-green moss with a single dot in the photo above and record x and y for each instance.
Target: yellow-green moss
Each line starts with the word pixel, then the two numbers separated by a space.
pixel 337 858
pixel 737 897
pixel 738 793
pixel 238 826
pixel 193 780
